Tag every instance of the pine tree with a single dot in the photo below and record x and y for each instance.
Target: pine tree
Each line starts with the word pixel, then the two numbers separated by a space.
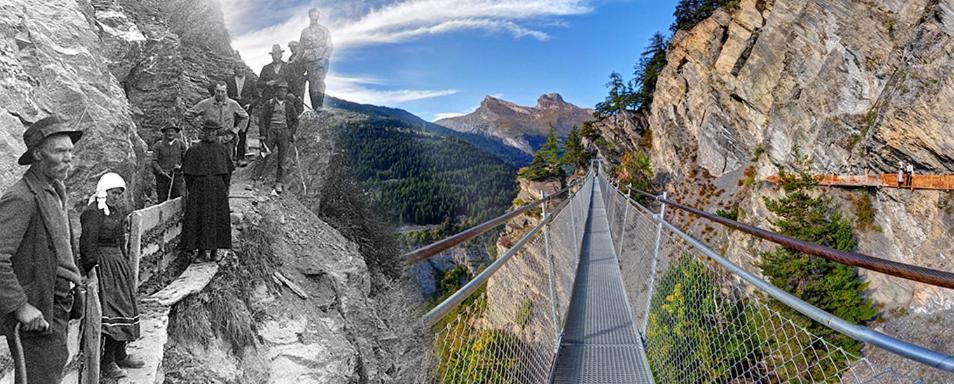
pixel 621 98
pixel 537 170
pixel 575 155
pixel 636 169
pixel 688 13
pixel 646 72
pixel 829 285
pixel 550 152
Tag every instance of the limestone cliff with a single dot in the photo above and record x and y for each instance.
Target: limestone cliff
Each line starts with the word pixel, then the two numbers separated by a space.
pixel 857 85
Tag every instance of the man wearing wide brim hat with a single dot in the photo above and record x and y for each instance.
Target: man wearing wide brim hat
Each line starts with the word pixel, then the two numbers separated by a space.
pixel 277 126
pixel 273 72
pixel 37 271
pixel 168 154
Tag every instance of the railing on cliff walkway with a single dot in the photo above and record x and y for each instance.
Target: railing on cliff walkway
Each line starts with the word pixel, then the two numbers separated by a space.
pixel 699 317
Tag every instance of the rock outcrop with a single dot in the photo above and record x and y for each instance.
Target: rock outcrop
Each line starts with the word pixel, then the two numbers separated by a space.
pixel 858 86
pixel 52 63
pixel 521 127
pixel 119 70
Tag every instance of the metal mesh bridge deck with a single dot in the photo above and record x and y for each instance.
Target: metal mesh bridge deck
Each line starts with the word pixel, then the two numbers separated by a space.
pixel 600 343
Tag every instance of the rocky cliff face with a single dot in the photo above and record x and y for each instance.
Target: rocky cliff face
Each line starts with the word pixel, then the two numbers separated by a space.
pixel 518 126
pixel 858 86
pixel 166 54
pixel 120 69
pixel 52 63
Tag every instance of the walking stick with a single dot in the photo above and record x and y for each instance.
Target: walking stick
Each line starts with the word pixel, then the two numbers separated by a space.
pixel 172 184
pixel 18 358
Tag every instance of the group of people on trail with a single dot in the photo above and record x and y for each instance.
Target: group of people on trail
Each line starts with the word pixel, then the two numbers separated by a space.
pixel 277 99
pixel 43 280
pixel 905 174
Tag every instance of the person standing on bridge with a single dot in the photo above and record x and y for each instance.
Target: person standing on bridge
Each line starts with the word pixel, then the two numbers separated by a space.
pixel 101 244
pixel 37 271
pixel 910 171
pixel 277 126
pixel 206 224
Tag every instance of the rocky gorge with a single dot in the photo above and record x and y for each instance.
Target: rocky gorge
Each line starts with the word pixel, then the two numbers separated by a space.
pixel 857 86
pixel 120 70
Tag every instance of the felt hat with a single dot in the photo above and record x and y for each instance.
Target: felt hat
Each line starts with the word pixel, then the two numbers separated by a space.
pixel 211 125
pixel 281 84
pixel 37 132
pixel 168 127
pixel 277 48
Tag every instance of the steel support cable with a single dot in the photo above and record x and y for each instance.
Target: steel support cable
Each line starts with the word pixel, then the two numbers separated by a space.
pixel 855 259
pixel 432 316
pixel 432 249
pixel 902 348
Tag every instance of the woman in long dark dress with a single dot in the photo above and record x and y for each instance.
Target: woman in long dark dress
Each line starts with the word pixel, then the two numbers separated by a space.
pixel 101 245
pixel 206 225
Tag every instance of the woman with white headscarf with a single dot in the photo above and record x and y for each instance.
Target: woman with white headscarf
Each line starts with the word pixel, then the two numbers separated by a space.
pixel 101 244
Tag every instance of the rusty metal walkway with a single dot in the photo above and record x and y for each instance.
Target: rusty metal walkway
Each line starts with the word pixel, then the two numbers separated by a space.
pixel 600 342
pixel 882 180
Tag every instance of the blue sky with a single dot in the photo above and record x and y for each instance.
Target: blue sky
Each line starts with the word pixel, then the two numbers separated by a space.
pixel 439 58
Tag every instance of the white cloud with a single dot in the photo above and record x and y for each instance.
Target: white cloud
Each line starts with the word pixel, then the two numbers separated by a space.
pixel 362 90
pixel 448 115
pixel 369 22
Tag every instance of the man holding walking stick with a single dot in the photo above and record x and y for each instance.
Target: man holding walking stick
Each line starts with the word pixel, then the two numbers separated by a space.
pixel 168 153
pixel 38 276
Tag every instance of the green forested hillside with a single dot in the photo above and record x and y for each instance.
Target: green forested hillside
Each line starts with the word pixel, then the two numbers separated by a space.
pixel 423 178
pixel 494 146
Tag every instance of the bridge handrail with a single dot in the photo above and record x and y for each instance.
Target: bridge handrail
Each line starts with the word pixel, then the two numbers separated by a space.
pixel 855 259
pixel 427 251
pixel 436 313
pixel 902 348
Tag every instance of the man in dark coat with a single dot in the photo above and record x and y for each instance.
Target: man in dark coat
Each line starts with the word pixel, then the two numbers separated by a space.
pixel 272 73
pixel 207 167
pixel 37 271
pixel 278 124
pixel 244 91
pixel 296 72
pixel 168 153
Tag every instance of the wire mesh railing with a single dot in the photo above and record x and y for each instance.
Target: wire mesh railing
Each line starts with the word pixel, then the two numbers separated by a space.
pixel 504 326
pixel 705 320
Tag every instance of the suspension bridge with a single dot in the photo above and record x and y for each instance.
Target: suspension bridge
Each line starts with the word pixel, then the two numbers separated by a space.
pixel 602 289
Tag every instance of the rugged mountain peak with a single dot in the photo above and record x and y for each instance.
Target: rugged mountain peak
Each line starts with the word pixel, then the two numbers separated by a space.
pixel 520 126
pixel 493 104
pixel 552 100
